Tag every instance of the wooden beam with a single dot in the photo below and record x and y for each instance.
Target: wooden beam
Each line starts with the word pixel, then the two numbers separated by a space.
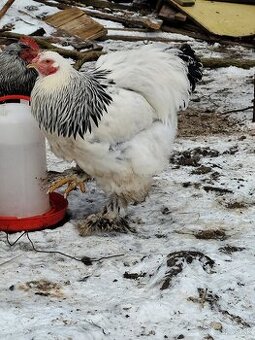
pixel 128 19
pixel 226 62
pixel 53 4
pixel 86 56
pixel 6 7
pixel 125 37
pixel 101 4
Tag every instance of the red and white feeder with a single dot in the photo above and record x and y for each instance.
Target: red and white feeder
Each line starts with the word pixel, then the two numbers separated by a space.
pixel 24 204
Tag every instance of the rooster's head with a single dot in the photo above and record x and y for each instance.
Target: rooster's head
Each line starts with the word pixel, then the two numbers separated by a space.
pixel 48 62
pixel 27 49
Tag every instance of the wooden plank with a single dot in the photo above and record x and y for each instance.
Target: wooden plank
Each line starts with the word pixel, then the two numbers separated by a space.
pixel 62 17
pixel 128 19
pixel 180 17
pixel 76 23
pixel 6 7
pixel 169 14
pixel 84 29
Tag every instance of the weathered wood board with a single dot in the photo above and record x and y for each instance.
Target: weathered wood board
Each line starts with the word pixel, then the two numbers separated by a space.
pixel 221 18
pixel 169 14
pixel 76 23
pixel 185 2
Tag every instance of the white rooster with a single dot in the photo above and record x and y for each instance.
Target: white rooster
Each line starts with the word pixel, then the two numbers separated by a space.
pixel 118 121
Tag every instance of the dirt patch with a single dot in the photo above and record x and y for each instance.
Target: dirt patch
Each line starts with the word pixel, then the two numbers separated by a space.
pixel 200 123
pixel 133 276
pixel 191 157
pixel 186 158
pixel 231 204
pixel 43 287
pixel 176 260
pixel 211 234
pixel 196 185
pixel 206 296
pixel 236 205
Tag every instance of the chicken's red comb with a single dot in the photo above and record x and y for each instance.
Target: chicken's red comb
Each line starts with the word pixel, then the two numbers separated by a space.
pixel 29 42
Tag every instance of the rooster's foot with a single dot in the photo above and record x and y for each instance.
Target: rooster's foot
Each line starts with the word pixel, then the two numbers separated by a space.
pixel 72 179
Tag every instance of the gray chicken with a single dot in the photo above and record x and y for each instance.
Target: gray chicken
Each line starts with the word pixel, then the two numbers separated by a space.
pixel 15 77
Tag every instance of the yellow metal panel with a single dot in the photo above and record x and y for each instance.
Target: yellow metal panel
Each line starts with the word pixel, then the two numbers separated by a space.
pixel 222 18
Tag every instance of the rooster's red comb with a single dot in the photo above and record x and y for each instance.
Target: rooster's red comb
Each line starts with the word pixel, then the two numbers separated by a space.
pixel 28 41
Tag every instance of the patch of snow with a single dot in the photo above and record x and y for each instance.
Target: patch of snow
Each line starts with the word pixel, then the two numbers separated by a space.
pixel 100 301
pixel 108 24
pixel 27 23
pixel 147 35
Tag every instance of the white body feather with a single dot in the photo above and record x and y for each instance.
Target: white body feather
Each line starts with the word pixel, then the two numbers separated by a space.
pixel 134 138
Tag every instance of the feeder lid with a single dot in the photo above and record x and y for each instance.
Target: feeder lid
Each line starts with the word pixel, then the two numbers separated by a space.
pixel 57 212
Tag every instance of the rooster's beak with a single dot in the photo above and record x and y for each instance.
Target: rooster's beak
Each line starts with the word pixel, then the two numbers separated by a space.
pixel 32 65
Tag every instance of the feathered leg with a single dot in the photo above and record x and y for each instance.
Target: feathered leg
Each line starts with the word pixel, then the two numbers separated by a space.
pixel 109 219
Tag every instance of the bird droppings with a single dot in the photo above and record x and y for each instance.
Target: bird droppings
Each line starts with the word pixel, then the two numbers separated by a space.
pixel 211 234
pixel 218 190
pixel 133 276
pixel 161 235
pixel 165 211
pixel 202 170
pixel 232 150
pixel 31 8
pixel 208 337
pixel 228 249
pixel 11 288
pixel 196 185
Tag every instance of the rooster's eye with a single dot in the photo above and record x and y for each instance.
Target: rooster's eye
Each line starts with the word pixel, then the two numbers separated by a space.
pixel 47 61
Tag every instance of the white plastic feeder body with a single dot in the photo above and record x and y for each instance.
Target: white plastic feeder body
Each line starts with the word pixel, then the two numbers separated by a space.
pixel 22 162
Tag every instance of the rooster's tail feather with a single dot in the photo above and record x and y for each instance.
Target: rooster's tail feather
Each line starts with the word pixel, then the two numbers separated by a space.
pixel 195 67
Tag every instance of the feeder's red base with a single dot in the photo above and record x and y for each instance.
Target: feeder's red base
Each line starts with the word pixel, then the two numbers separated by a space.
pixel 57 212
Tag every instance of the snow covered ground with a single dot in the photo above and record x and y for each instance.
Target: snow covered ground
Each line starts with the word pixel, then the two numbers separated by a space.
pixel 188 272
